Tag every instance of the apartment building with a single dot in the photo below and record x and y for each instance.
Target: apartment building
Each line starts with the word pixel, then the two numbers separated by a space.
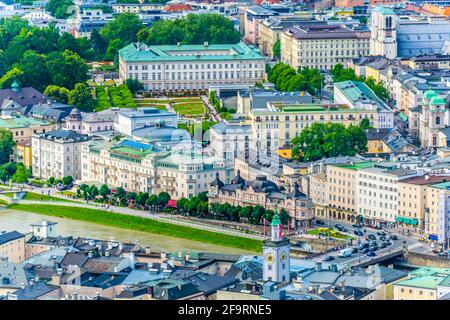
pixel 377 192
pixel 135 7
pixel 276 125
pixel 142 167
pixel 437 212
pixel 341 189
pixel 12 246
pixel 191 67
pixel 318 192
pixel 57 154
pixel 322 46
pixel 22 128
pixel 412 200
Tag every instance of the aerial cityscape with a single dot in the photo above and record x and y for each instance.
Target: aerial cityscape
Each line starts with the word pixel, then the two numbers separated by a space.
pixel 266 150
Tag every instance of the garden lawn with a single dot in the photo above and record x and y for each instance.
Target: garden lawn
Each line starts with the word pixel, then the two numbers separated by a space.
pixel 141 224
pixel 333 233
pixel 189 109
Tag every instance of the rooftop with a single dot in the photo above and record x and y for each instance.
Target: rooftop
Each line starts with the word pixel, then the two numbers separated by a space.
pixel 355 166
pixel 442 185
pixel 10 236
pixel 213 52
pixel 357 91
pixel 426 179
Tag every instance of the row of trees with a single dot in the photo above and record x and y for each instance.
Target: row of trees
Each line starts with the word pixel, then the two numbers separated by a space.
pixel 339 73
pixel 119 196
pixel 323 140
pixel 15 172
pixel 198 207
pixel 287 78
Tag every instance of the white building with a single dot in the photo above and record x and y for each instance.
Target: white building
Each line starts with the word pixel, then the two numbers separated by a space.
pixel 131 120
pixel 57 154
pixel 90 123
pixel 377 192
pixel 191 67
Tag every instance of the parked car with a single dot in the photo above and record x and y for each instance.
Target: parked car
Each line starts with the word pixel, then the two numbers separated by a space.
pixel 371 254
pixel 354 250
pixel 358 233
pixel 371 237
pixel 320 222
pixel 382 238
pixel 383 245
pixel 328 258
pixel 381 233
pixel 344 253
pixel 422 239
pixel 388 242
pixel 344 229
pixel 355 225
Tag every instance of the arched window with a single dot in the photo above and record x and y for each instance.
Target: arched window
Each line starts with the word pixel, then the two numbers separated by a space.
pixel 438 120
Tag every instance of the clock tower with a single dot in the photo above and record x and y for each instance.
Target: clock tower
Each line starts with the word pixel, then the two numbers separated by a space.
pixel 276 250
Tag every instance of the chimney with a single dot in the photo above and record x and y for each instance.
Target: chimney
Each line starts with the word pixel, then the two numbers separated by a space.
pixel 180 254
pixel 187 256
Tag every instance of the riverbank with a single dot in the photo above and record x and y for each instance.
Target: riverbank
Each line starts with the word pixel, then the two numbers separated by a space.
pixel 140 224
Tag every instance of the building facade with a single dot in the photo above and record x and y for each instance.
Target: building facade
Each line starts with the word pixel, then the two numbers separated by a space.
pixel 57 154
pixel 191 67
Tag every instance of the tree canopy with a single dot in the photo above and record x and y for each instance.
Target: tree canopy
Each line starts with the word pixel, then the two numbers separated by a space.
pixel 286 78
pixel 193 29
pixel 323 140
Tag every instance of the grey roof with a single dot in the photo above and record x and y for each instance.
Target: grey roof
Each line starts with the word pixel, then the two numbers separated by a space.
pixel 65 135
pixel 210 283
pixel 169 289
pixel 137 277
pixel 13 275
pixel 25 96
pixel 49 257
pixel 53 111
pixel 74 259
pixel 322 277
pixel 33 292
pixel 9 236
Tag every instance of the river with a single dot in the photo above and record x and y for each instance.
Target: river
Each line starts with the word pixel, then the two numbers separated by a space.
pixel 21 221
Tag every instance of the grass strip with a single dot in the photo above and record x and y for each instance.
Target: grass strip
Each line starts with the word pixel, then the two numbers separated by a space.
pixel 141 224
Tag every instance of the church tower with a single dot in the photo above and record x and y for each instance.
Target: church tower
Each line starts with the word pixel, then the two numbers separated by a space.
pixel 276 258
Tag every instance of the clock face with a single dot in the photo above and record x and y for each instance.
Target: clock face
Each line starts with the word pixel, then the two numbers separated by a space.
pixel 270 258
pixel 283 256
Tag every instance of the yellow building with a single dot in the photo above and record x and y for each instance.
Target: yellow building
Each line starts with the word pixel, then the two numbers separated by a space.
pixel 12 246
pixel 412 200
pixel 322 46
pixel 23 128
pixel 23 153
pixel 277 125
pixel 341 190
pixel 422 284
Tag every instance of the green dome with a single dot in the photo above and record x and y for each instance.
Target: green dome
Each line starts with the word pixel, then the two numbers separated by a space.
pixel 15 86
pixel 429 94
pixel 437 100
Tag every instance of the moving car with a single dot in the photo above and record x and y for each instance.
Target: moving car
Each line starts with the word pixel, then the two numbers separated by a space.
pixel 394 237
pixel 364 250
pixel 345 253
pixel 354 250
pixel 381 233
pixel 328 258
pixel 320 222
pixel 382 238
pixel 371 254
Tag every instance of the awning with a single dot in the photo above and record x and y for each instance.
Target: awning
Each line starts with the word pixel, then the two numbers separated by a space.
pixel 433 237
pixel 407 220
pixel 399 219
pixel 414 222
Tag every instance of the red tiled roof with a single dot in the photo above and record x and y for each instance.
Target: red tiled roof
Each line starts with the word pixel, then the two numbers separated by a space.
pixel 426 179
pixel 178 7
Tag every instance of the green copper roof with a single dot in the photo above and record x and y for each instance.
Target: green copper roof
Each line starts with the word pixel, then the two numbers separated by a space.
pixel 356 166
pixel 139 52
pixel 20 122
pixel 442 185
pixel 15 86
pixel 429 94
pixel 383 10
pixel 437 100
pixel 357 91
pixel 275 220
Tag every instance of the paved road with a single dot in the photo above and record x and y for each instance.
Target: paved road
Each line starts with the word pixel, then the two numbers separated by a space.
pixel 397 246
pixel 214 115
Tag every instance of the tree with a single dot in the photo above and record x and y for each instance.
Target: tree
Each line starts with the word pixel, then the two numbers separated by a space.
pixel 93 191
pixel 193 29
pixel 104 191
pixel 6 145
pixel 125 27
pixel 58 94
pixel 60 9
pixel 15 74
pixel 21 174
pixel 284 217
pixel 3 175
pixel 365 124
pixel 51 181
pixel 67 181
pixel 328 140
pixel 163 199
pixel 66 69
pixel 81 97
pixel 277 49
pixel 134 85
pixel 35 73
pixel 141 198
pixel 120 192
pixel 151 201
